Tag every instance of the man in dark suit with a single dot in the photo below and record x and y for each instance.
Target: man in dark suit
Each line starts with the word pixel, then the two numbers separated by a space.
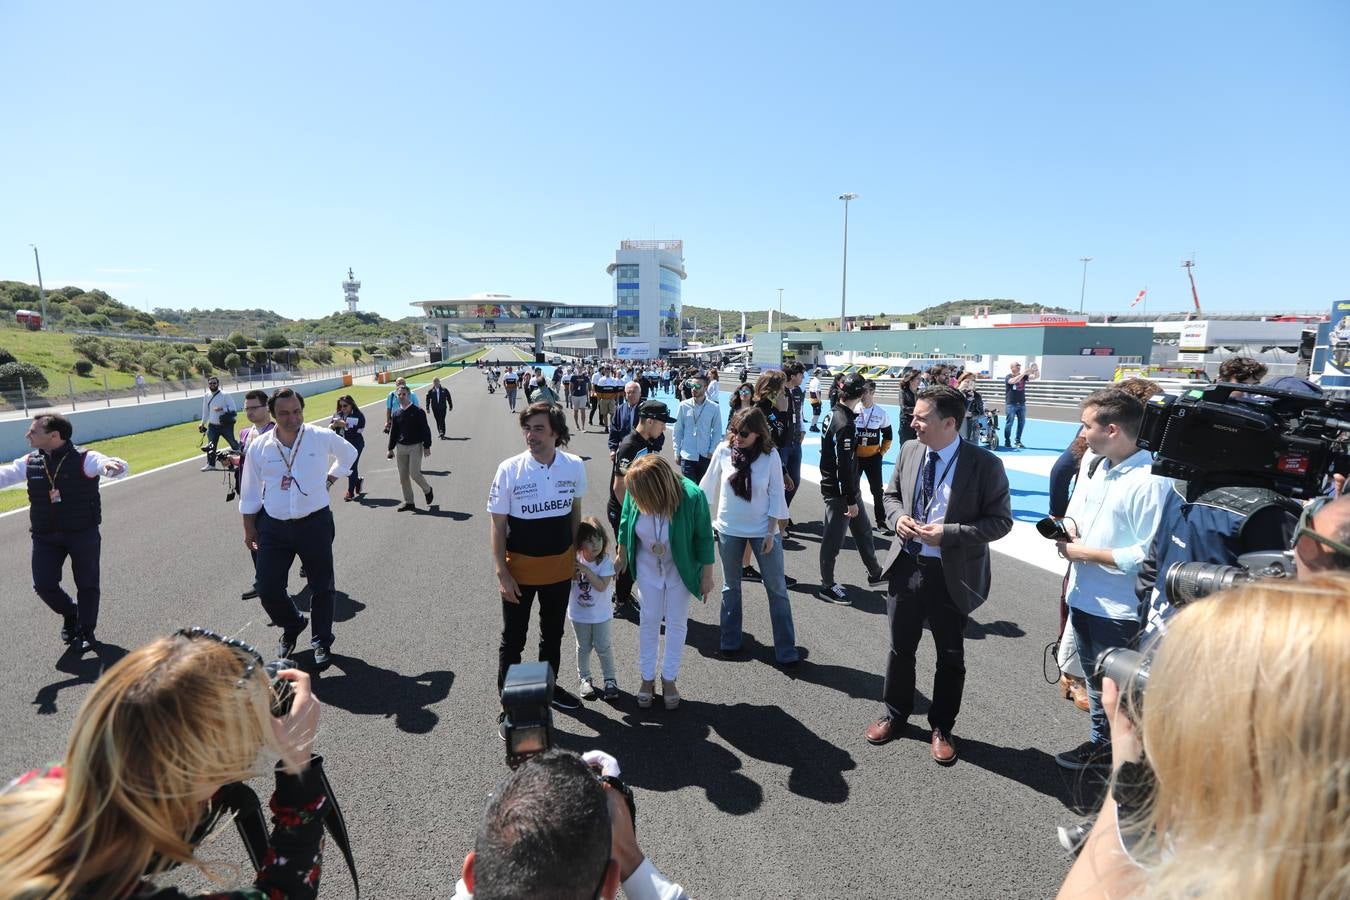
pixel 625 416
pixel 946 501
pixel 439 402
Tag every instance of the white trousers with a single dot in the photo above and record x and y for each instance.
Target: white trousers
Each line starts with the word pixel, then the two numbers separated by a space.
pixel 662 600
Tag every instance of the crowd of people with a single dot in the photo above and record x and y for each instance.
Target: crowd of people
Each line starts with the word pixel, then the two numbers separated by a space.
pixel 1221 790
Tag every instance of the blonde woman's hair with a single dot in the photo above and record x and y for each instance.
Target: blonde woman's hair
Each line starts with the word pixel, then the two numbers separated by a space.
pixel 1245 724
pixel 655 487
pixel 160 731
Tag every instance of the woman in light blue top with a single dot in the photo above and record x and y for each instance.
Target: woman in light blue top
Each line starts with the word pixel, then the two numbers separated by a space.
pixel 744 484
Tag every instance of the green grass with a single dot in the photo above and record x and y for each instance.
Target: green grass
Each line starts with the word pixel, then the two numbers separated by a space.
pixel 152 449
pixel 53 353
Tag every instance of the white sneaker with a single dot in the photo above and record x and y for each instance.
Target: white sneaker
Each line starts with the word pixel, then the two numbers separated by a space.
pixel 587 689
pixel 208 468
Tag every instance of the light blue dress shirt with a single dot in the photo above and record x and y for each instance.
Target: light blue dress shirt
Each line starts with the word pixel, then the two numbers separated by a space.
pixel 698 429
pixel 942 491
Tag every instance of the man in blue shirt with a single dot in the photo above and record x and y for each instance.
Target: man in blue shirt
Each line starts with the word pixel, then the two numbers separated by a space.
pixel 1112 519
pixel 698 428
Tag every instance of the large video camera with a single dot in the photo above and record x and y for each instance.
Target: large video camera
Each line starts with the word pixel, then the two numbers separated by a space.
pixel 1285 441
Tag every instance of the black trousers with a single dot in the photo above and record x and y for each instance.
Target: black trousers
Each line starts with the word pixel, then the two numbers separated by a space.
pixel 279 543
pixel 870 468
pixel 440 420
pixel 50 550
pixel 832 538
pixel 516 626
pixel 917 593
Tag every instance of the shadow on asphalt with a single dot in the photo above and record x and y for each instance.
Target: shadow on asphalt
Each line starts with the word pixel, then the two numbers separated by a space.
pixel 366 690
pixel 976 631
pixel 765 733
pixel 344 607
pixel 1028 766
pixel 379 501
pixel 83 669
pixel 439 513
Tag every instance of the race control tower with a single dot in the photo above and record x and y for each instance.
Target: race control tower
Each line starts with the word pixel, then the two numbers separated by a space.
pixel 350 288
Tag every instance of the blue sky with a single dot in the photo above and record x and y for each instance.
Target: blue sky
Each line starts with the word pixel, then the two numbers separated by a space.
pixel 246 154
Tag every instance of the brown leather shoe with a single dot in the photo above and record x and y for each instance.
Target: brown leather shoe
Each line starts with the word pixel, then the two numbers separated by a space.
pixel 944 748
pixel 883 730
pixel 1078 693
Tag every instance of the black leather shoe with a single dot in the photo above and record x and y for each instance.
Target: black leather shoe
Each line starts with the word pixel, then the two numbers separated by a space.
pixel 69 630
pixel 84 642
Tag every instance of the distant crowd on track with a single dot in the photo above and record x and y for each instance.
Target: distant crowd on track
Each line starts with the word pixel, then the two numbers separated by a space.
pixel 1192 802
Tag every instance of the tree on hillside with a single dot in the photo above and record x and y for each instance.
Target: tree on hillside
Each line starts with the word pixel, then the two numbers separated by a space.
pixel 274 340
pixel 218 350
pixel 238 339
pixel 356 354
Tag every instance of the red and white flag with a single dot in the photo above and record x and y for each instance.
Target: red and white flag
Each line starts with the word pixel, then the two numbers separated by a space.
pixel 1137 299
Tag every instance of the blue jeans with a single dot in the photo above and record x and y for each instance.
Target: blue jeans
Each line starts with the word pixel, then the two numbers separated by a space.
pixel 695 469
pixel 1016 411
pixel 732 551
pixel 791 454
pixel 1093 634
pixel 213 435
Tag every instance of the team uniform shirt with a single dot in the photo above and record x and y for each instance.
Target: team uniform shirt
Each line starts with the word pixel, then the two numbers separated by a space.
pixel 291 482
pixel 537 501
pixel 874 431
pixel 632 447
pixel 813 390
pixel 580 385
pixel 586 604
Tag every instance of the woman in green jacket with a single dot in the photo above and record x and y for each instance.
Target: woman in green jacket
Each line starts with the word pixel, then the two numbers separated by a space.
pixel 665 535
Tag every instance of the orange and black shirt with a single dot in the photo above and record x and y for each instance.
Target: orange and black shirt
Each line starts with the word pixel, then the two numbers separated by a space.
pixel 537 502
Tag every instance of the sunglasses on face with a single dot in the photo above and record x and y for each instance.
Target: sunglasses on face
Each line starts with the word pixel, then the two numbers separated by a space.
pixel 743 434
pixel 1305 527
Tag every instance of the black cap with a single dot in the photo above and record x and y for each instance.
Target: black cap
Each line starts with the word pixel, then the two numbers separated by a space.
pixel 655 409
pixel 853 387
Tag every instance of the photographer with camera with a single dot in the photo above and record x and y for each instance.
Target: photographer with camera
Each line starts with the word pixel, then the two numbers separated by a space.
pixel 120 807
pixel 1236 771
pixel 559 828
pixel 218 417
pixel 1107 531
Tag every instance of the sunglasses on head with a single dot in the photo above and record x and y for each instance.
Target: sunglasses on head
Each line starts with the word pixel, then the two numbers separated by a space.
pixel 283 693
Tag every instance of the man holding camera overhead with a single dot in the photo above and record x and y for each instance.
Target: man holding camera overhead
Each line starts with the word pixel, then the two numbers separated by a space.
pixel 1111 520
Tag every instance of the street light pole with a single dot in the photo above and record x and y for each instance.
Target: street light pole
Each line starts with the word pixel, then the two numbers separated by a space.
pixel 42 294
pixel 1082 292
pixel 843 291
pixel 780 325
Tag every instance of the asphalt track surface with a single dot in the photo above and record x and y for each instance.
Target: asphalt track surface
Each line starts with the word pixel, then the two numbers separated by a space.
pixel 760 785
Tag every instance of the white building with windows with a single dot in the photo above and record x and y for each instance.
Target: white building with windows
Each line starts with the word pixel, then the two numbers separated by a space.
pixel 647 277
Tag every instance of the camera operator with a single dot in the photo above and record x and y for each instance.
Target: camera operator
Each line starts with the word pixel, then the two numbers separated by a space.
pixel 554 829
pixel 1211 521
pixel 120 808
pixel 1111 520
pixel 1243 726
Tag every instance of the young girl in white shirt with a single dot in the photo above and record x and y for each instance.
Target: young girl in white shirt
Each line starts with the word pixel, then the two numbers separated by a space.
pixel 589 608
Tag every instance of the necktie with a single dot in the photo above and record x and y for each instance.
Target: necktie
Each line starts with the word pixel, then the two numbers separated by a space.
pixel 924 499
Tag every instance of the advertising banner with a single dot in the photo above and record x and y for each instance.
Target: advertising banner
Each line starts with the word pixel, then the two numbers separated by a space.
pixel 1194 337
pixel 633 350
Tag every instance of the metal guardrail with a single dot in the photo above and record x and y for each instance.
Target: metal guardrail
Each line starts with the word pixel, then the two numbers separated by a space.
pixel 1060 394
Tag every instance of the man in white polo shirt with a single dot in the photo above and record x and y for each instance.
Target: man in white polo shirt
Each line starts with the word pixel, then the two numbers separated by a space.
pixel 283 497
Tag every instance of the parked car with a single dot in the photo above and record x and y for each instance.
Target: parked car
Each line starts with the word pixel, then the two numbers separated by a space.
pixel 555 360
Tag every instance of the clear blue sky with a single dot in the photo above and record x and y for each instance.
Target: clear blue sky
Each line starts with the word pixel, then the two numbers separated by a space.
pixel 246 154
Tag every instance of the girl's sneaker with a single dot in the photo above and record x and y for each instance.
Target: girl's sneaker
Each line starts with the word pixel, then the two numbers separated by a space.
pixel 588 691
pixel 611 689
